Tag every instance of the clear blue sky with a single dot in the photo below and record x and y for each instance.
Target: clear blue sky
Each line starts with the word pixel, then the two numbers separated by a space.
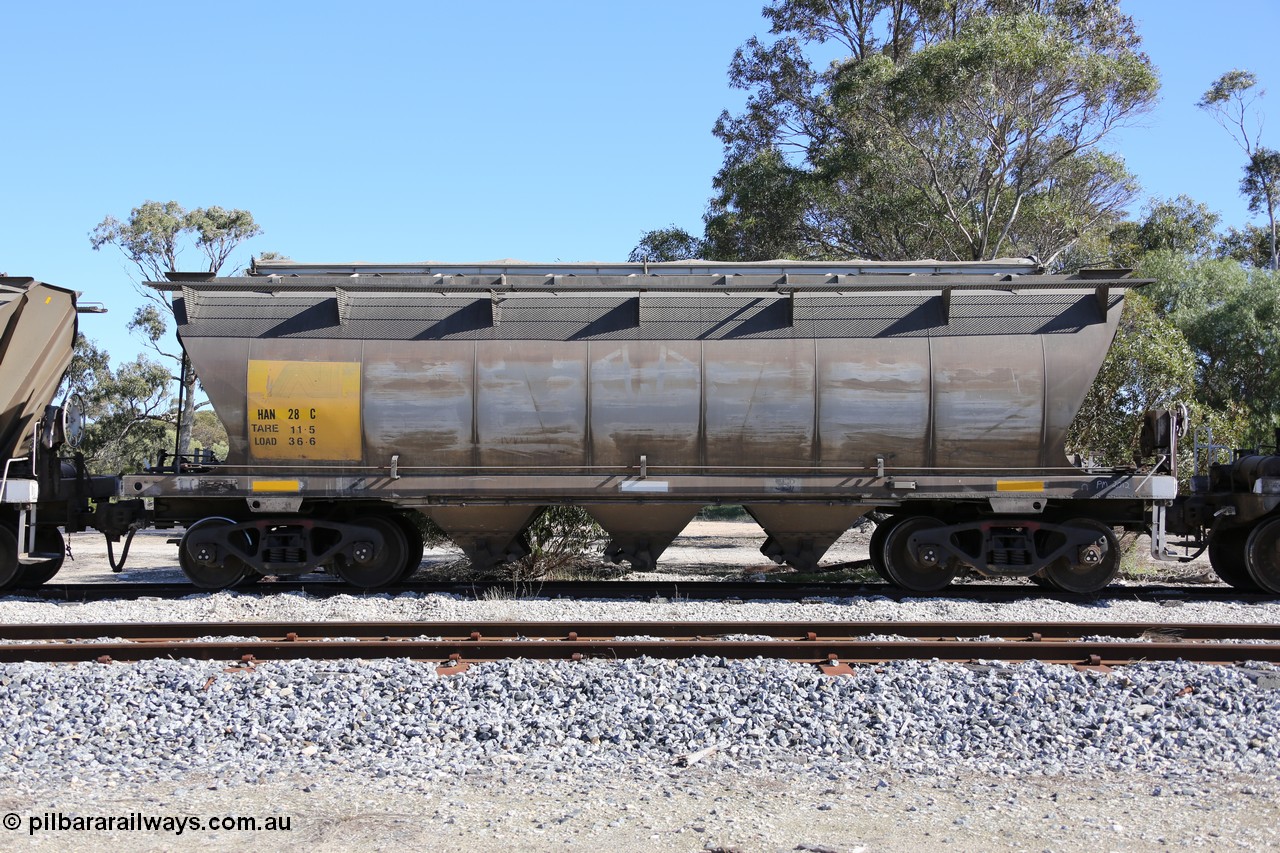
pixel 409 131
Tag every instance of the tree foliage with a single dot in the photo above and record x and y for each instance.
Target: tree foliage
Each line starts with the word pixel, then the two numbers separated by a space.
pixel 1229 315
pixel 1232 101
pixel 560 538
pixel 1260 186
pixel 1181 225
pixel 1205 333
pixel 1249 245
pixel 958 130
pixel 1231 318
pixel 666 244
pixel 219 232
pixel 128 410
pixel 208 433
pixel 1150 365
pixel 153 235
pixel 152 238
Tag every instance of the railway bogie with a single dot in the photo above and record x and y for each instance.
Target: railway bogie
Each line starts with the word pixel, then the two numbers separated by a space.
pixel 923 553
pixel 367 545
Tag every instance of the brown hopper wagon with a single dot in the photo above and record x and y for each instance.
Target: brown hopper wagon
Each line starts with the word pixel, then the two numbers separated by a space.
pixel 811 393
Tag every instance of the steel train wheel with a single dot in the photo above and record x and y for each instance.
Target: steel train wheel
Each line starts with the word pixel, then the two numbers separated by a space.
pixel 1227 556
pixel 1039 578
pixel 1262 555
pixel 876 545
pixel 15 574
pixel 919 569
pixel 414 547
pixel 1093 567
pixel 378 566
pixel 48 541
pixel 232 571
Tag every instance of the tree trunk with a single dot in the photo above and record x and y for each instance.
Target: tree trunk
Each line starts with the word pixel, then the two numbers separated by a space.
pixel 1271 217
pixel 187 417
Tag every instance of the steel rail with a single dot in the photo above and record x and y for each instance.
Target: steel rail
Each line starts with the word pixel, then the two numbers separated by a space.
pixel 827 652
pixel 830 644
pixel 680 630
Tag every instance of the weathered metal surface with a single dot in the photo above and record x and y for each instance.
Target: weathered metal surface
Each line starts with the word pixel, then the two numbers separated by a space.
pixel 488 535
pixel 799 534
pixel 646 399
pixel 37 330
pixel 554 486
pixel 640 533
pixel 477 393
pixel 906 374
pixel 418 394
pixel 530 401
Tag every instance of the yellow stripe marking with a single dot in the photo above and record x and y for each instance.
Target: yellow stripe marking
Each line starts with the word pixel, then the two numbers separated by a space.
pixel 1019 485
pixel 277 486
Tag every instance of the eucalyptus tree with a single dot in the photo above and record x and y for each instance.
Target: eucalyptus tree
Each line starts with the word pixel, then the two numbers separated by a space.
pixel 1229 315
pixel 127 408
pixel 666 244
pixel 152 238
pixel 961 130
pixel 1150 365
pixel 1249 245
pixel 1232 100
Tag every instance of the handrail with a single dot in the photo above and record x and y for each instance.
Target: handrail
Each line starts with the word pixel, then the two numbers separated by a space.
pixel 4 481
pixel 698 285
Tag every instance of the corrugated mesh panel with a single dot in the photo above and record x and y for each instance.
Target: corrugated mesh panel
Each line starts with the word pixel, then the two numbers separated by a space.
pixel 571 308
pixel 716 317
pixel 867 316
pixel 414 316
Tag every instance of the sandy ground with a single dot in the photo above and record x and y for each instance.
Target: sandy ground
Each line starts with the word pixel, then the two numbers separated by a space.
pixel 664 809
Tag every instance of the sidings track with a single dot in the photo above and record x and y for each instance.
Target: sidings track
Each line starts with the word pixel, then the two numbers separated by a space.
pixel 833 645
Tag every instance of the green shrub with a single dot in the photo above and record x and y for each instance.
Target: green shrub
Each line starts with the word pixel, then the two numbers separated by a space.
pixel 562 540
pixel 724 512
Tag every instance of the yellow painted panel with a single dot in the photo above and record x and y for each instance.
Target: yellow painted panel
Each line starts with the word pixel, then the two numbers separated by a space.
pixel 304 410
pixel 1019 485
pixel 277 486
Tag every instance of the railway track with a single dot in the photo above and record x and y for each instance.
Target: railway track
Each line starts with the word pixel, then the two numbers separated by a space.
pixel 644 591
pixel 832 645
